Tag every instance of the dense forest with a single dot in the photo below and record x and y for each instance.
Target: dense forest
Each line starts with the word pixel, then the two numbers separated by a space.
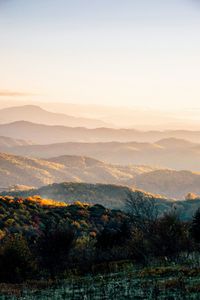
pixel 45 239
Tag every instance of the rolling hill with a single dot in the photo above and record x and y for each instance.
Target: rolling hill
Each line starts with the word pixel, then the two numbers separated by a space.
pixel 17 170
pixel 167 153
pixel 36 114
pixel 6 142
pixel 48 134
pixel 170 183
pixel 110 196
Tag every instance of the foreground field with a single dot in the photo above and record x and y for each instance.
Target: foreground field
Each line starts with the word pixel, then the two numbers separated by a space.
pixel 171 282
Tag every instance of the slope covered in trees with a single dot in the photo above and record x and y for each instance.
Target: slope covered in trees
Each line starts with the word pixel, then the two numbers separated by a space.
pixel 16 170
pixel 110 196
pixel 43 239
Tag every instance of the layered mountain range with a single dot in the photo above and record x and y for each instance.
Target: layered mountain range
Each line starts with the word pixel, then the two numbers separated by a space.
pixel 17 170
pixel 47 134
pixel 38 147
pixel 168 153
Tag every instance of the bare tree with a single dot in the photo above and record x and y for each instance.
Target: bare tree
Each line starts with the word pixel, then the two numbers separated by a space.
pixel 142 209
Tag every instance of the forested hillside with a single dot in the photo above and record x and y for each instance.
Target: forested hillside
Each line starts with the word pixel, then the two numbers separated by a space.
pixel 110 196
pixel 40 238
pixel 21 170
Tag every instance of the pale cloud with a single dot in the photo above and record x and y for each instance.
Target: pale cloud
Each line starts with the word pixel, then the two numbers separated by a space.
pixel 10 93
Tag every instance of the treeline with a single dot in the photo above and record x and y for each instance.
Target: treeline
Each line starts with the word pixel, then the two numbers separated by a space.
pixel 44 239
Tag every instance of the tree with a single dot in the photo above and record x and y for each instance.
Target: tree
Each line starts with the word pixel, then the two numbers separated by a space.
pixel 111 242
pixel 114 234
pixel 16 260
pixel 54 247
pixel 169 236
pixel 191 196
pixel 142 209
pixel 195 227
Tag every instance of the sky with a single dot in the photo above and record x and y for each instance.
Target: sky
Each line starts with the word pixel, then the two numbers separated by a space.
pixel 142 53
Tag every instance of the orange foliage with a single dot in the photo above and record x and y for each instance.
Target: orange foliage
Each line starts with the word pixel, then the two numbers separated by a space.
pixel 46 202
pixel 34 199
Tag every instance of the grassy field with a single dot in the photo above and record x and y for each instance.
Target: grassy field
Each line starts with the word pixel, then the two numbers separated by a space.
pixel 170 282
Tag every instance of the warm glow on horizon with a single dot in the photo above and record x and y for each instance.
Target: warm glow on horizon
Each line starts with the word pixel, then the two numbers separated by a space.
pixel 133 53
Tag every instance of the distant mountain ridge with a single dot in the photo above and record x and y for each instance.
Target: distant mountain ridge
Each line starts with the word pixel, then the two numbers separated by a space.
pixel 121 116
pixel 49 134
pixel 6 142
pixel 36 114
pixel 168 153
pixel 170 183
pixel 174 143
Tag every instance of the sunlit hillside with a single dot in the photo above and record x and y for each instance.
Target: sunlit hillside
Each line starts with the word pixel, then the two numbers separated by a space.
pixel 18 173
pixel 110 196
pixel 18 170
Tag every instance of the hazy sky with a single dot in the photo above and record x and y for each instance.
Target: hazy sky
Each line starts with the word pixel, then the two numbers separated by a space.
pixel 127 52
